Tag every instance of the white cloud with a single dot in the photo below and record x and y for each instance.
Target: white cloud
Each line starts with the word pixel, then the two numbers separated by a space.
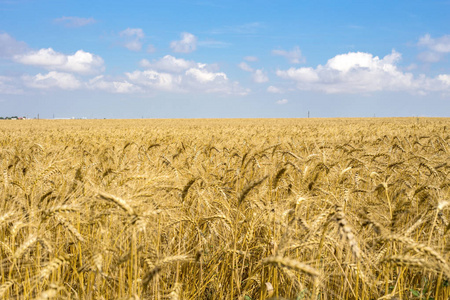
pixel 10 47
pixel 294 56
pixel 187 44
pixel 357 72
pixel 204 76
pixel 145 63
pixel 437 48
pixel 134 45
pixel 168 74
pixel 307 75
pixel 441 45
pixel 81 62
pixel 259 76
pixel 202 80
pixel 43 57
pixel 133 32
pixel 75 21
pixel 197 79
pixel 244 66
pixel 113 86
pixel 155 80
pixel 180 76
pixel 282 101
pixel 251 58
pixel 52 79
pixel 445 78
pixel 274 90
pixel 133 38
pixel 169 64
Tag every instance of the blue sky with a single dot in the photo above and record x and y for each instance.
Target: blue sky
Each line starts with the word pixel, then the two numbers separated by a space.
pixel 200 59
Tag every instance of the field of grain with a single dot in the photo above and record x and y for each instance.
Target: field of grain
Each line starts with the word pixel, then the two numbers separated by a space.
pixel 225 209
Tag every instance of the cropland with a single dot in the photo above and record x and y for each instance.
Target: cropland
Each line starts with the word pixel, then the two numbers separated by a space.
pixel 225 209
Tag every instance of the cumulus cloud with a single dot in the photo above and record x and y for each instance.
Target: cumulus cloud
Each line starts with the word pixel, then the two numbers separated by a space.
pixel 168 73
pixel 74 21
pixel 133 38
pixel 260 76
pixel 444 78
pixel 169 64
pixel 274 90
pixel 155 80
pixel 171 74
pixel 81 62
pixel 179 75
pixel 294 56
pixel 112 86
pixel 203 79
pixel 202 75
pixel 52 79
pixel 437 48
pixel 10 46
pixel 187 44
pixel 244 66
pixel 197 79
pixel 282 101
pixel 43 57
pixel 441 45
pixel 357 72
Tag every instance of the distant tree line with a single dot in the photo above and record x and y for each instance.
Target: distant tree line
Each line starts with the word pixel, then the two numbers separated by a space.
pixel 12 118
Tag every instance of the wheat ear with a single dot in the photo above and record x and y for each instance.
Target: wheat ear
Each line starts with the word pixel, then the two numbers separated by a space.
pixel 291 264
pixel 118 201
pixel 345 231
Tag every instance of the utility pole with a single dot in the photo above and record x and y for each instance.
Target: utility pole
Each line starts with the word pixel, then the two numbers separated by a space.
pixel 308 114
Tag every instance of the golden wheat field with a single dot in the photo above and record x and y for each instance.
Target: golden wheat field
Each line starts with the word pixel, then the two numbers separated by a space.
pixel 225 209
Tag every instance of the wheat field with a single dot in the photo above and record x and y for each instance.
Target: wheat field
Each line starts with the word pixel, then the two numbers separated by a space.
pixel 225 209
